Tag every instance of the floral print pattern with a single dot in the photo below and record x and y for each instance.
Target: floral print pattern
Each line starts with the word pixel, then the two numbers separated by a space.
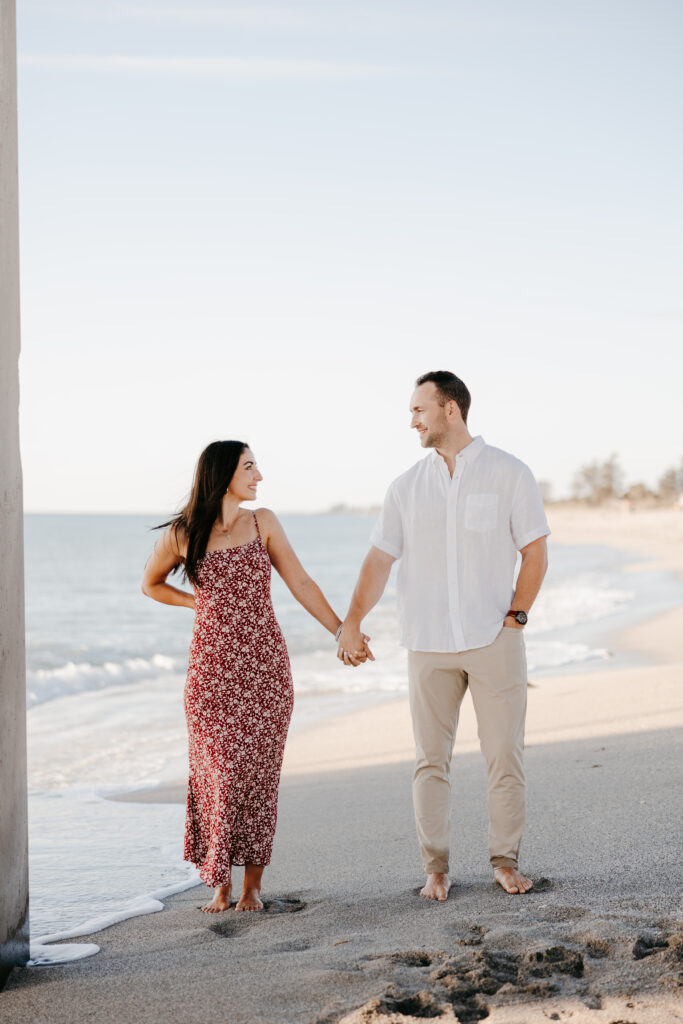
pixel 238 704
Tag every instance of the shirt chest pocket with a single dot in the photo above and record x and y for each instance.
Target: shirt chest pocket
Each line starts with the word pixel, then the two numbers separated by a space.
pixel 481 512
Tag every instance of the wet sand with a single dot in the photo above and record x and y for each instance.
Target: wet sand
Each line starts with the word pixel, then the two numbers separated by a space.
pixel 345 935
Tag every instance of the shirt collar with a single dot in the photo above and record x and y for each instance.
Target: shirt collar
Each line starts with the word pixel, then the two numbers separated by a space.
pixel 468 454
pixel 473 449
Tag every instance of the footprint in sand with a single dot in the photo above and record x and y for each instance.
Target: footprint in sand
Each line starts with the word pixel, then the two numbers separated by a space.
pixel 411 958
pixel 227 927
pixel 598 949
pixel 648 944
pixel 293 946
pixel 286 905
pixel 554 960
pixel 396 1005
pixel 469 935
pixel 540 885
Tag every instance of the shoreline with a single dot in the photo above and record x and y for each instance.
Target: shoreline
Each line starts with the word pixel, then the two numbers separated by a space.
pixel 654 535
pixel 652 640
pixel 599 937
pixel 583 705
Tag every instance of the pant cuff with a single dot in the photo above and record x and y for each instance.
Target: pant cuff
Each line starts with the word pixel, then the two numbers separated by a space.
pixel 436 867
pixel 504 862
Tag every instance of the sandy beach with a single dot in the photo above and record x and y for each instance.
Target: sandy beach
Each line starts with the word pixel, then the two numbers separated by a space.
pixel 345 936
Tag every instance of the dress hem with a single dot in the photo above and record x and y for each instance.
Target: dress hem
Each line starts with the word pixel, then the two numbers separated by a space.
pixel 240 862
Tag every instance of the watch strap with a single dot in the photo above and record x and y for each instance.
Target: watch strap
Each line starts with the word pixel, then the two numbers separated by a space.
pixel 514 612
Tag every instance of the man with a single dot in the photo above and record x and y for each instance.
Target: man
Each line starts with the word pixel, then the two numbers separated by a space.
pixel 456 521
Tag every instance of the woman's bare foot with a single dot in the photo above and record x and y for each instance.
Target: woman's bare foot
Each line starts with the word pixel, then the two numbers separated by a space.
pixel 512 880
pixel 436 887
pixel 220 901
pixel 250 898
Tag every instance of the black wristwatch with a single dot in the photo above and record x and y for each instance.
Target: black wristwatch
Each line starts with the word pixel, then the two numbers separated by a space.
pixel 521 617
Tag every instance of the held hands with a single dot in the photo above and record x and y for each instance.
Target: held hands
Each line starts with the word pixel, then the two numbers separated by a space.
pixel 353 646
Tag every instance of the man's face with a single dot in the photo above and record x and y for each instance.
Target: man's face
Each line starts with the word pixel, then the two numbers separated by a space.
pixel 427 416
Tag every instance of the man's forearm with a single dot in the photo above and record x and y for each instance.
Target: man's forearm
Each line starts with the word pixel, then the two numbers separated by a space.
pixel 372 580
pixel 531 573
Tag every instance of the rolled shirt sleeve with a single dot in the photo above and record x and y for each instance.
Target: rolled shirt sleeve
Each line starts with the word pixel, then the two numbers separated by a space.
pixel 528 520
pixel 387 533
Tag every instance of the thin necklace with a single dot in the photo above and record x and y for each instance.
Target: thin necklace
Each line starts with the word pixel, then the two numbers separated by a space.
pixel 226 533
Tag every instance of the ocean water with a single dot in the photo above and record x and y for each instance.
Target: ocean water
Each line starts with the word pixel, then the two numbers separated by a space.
pixel 105 675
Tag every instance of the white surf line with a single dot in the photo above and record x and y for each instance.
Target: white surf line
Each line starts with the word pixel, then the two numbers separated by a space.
pixel 45 951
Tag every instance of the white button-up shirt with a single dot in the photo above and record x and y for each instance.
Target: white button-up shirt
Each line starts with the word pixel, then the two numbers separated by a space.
pixel 457 539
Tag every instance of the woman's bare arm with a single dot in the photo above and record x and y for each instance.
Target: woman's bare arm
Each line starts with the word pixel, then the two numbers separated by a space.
pixel 284 560
pixel 165 557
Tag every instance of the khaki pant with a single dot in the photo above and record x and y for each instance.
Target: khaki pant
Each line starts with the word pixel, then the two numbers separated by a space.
pixel 497 678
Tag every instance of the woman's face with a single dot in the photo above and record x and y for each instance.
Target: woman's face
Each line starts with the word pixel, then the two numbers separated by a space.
pixel 246 477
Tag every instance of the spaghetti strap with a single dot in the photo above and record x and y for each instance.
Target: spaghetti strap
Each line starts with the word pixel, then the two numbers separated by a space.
pixel 258 532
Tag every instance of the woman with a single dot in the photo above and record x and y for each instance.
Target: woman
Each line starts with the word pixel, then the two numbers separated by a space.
pixel 238 696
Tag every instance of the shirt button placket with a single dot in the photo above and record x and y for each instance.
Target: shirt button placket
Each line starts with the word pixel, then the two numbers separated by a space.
pixel 452 555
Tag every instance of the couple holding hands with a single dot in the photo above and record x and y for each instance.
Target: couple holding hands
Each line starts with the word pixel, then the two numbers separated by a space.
pixel 455 522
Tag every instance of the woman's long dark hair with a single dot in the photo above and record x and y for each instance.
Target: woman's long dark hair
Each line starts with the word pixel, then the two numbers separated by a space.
pixel 215 469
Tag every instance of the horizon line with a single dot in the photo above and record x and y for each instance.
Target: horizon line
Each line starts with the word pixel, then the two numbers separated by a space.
pixel 136 512
pixel 216 67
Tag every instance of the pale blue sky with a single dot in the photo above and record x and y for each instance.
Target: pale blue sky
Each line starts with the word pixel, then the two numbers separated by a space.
pixel 263 220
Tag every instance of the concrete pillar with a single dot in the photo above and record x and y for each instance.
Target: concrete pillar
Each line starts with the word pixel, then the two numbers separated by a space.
pixel 13 810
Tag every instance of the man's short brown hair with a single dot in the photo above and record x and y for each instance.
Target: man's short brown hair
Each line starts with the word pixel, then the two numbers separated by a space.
pixel 449 389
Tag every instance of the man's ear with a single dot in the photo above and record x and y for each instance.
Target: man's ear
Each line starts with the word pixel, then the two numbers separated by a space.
pixel 452 410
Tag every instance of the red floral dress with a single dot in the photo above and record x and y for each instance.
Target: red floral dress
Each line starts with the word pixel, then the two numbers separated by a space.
pixel 238 703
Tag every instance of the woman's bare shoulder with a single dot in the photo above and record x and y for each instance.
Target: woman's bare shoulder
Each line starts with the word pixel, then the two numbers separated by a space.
pixel 265 515
pixel 175 539
pixel 268 522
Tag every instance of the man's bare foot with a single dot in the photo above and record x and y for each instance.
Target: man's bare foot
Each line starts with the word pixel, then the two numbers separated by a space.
pixel 512 880
pixel 220 901
pixel 249 900
pixel 436 887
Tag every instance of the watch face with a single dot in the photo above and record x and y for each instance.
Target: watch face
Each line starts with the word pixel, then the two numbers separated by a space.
pixel 521 618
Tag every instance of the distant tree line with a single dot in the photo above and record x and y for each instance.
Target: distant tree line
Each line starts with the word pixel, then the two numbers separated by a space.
pixel 604 481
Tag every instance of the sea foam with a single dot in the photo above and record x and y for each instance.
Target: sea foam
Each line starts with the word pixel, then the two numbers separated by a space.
pixel 46 951
pixel 45 684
